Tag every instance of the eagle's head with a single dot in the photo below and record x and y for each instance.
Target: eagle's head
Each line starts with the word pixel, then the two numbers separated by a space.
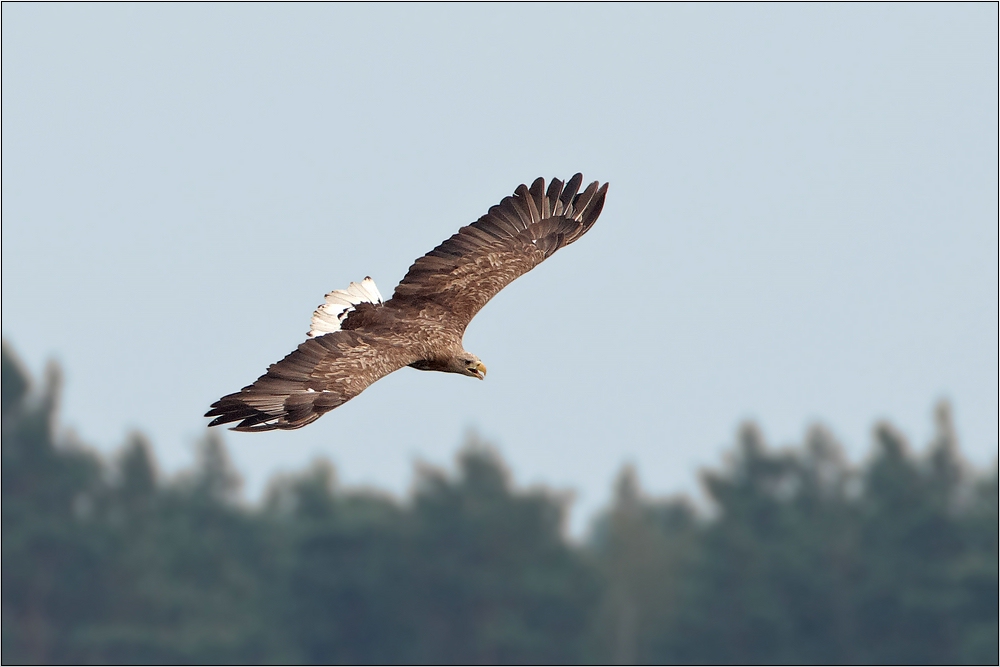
pixel 471 365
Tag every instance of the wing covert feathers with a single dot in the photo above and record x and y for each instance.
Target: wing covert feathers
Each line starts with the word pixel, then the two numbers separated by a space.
pixel 467 270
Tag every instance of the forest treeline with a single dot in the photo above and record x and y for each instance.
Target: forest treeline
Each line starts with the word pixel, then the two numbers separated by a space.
pixel 801 557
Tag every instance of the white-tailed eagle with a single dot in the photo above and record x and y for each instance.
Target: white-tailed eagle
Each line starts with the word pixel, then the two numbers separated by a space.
pixel 357 338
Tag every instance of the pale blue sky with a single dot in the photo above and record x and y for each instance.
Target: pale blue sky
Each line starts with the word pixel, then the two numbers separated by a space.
pixel 801 225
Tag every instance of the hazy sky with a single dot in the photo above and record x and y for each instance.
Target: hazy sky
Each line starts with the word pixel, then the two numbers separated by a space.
pixel 801 224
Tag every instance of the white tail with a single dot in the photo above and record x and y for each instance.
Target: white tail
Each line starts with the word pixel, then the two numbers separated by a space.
pixel 339 303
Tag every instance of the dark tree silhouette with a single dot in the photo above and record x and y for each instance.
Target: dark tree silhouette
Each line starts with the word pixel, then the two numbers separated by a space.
pixel 801 558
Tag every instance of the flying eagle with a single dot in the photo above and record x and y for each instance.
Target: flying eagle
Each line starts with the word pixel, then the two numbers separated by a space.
pixel 357 338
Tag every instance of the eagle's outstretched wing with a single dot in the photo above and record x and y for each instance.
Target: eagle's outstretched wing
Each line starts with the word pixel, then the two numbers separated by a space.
pixel 470 268
pixel 323 373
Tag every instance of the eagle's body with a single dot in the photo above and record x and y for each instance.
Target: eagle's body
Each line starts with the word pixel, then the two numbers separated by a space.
pixel 356 338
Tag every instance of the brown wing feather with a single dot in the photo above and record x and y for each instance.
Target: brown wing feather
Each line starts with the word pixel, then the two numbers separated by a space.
pixel 320 375
pixel 470 268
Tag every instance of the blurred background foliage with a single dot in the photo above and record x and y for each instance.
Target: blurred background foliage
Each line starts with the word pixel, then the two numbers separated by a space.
pixel 799 557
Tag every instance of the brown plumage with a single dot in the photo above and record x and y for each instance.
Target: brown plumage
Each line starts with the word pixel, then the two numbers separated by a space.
pixel 357 339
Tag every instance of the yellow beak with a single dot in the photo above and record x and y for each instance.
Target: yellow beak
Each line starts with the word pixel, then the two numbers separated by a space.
pixel 480 370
